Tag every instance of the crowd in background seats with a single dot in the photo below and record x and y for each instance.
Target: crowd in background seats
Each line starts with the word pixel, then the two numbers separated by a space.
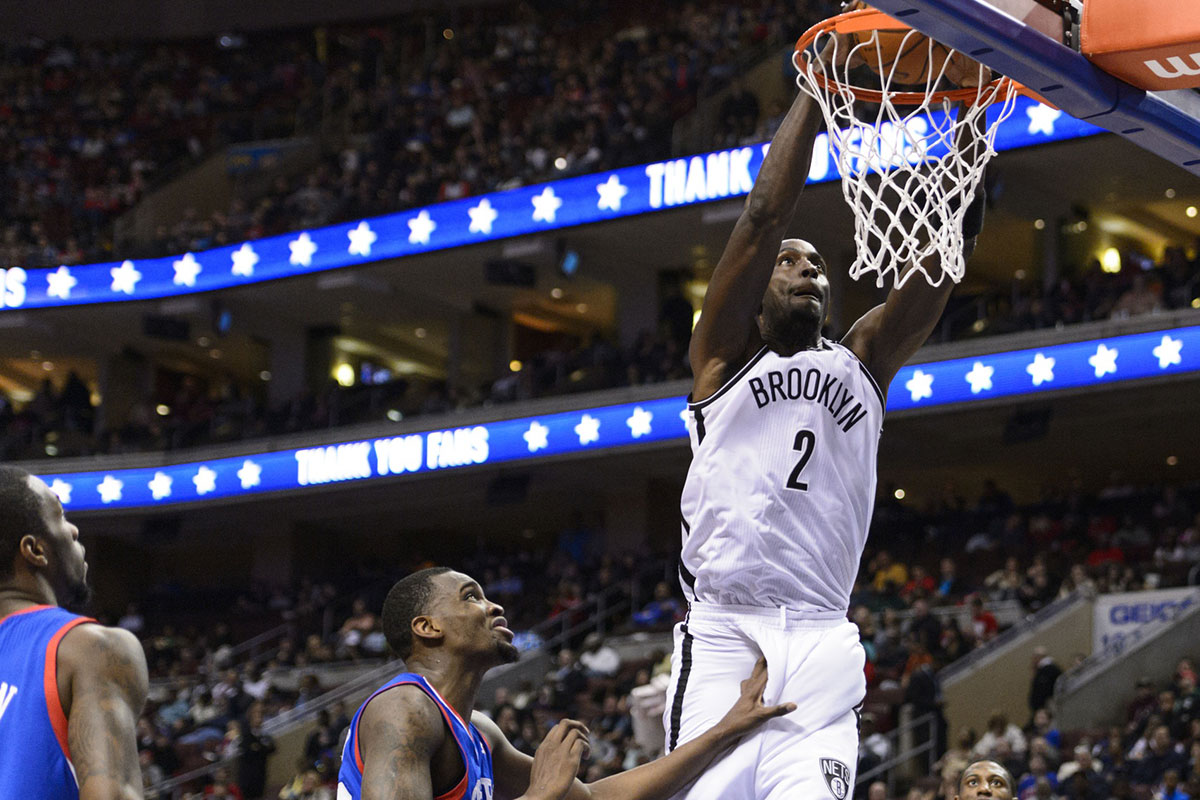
pixel 61 421
pixel 498 98
pixel 1081 295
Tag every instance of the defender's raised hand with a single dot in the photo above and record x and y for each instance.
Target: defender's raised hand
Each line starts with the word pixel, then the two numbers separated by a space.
pixel 749 711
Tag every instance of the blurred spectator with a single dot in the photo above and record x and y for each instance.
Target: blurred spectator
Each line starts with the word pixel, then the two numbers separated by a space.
pixel 306 786
pixel 999 731
pixel 1045 675
pixel 663 609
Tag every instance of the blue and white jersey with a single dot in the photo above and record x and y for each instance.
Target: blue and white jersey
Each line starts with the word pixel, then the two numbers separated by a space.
pixel 476 783
pixel 35 760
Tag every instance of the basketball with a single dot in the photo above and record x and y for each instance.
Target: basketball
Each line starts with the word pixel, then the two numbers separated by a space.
pixel 901 56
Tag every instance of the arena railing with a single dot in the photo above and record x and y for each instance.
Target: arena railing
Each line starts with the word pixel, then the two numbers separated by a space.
pixel 1006 638
pixel 904 761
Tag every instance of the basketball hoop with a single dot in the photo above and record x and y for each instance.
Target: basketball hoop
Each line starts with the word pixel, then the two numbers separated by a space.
pixel 908 184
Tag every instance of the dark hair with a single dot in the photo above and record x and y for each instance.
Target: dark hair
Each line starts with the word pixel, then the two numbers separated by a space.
pixel 20 515
pixel 405 602
pixel 1004 770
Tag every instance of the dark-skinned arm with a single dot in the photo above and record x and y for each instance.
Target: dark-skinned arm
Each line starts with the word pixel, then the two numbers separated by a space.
pixel 402 729
pixel 398 733
pixel 726 334
pixel 887 336
pixel 103 683
pixel 661 778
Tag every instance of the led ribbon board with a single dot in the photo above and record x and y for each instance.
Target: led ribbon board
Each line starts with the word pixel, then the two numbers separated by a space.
pixel 964 380
pixel 499 215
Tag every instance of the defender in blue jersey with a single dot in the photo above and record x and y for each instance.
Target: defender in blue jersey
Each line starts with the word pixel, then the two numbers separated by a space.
pixel 70 690
pixel 419 738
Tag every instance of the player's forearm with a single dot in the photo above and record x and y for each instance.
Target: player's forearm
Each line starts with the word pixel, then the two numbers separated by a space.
pixel 785 169
pixel 666 776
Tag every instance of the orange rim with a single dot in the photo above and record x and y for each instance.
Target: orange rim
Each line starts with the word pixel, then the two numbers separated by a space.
pixel 869 19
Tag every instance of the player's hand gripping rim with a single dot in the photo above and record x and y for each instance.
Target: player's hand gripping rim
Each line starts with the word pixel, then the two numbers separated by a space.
pixel 749 711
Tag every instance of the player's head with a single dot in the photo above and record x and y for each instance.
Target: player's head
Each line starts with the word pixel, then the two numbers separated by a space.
pixel 797 298
pixel 39 550
pixel 985 779
pixel 440 609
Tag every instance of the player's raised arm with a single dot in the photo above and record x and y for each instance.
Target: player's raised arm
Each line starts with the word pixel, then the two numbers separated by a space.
pixel 726 334
pixel 657 780
pixel 887 336
pixel 103 683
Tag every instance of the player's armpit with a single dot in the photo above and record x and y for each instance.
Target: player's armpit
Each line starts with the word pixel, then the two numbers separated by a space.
pixel 104 673
pixel 398 734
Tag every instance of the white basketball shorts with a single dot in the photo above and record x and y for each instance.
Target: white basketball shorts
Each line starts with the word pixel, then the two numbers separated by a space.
pixel 815 663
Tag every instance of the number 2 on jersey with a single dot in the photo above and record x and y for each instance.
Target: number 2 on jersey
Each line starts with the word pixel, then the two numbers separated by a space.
pixel 806 442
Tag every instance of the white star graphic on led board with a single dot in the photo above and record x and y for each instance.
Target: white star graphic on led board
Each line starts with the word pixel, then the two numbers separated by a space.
pixel 920 385
pixel 160 487
pixel 1167 352
pixel 250 474
pixel 980 377
pixel 1104 361
pixel 186 270
pixel 125 277
pixel 482 217
pixel 1041 369
pixel 588 429
pixel 420 228
pixel 361 239
pixel 1042 118
pixel 60 283
pixel 639 422
pixel 546 205
pixel 205 480
pixel 62 489
pixel 110 489
pixel 535 437
pixel 611 192
pixel 302 248
pixel 244 260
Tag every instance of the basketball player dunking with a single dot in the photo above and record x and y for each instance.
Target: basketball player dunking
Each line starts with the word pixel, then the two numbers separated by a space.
pixel 784 429
pixel 70 691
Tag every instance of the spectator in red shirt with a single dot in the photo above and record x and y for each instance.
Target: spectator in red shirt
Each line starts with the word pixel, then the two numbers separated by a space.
pixel 982 620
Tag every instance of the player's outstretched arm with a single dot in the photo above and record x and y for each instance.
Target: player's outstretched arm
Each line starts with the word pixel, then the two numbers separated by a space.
pixel 726 334
pixel 661 778
pixel 103 685
pixel 887 336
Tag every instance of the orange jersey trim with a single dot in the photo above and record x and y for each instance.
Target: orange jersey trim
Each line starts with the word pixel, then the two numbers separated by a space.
pixel 58 717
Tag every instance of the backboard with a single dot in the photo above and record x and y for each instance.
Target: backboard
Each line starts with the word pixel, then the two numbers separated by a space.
pixel 1023 39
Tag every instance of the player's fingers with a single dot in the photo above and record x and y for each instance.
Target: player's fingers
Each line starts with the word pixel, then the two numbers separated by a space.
pixel 573 725
pixel 779 710
pixel 758 678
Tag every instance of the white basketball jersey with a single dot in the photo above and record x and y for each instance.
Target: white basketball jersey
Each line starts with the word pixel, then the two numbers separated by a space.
pixel 779 494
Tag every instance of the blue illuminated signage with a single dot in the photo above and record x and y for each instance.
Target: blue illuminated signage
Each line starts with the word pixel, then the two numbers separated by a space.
pixel 963 380
pixel 500 215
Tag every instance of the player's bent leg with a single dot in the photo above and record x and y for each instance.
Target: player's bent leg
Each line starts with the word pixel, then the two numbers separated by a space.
pixel 710 661
pixel 820 766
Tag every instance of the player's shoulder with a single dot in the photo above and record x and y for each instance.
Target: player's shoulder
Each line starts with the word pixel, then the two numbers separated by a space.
pixel 95 658
pixel 489 729
pixel 404 708
pixel 94 645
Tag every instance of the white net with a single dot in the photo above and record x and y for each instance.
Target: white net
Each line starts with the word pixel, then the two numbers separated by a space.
pixel 909 172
